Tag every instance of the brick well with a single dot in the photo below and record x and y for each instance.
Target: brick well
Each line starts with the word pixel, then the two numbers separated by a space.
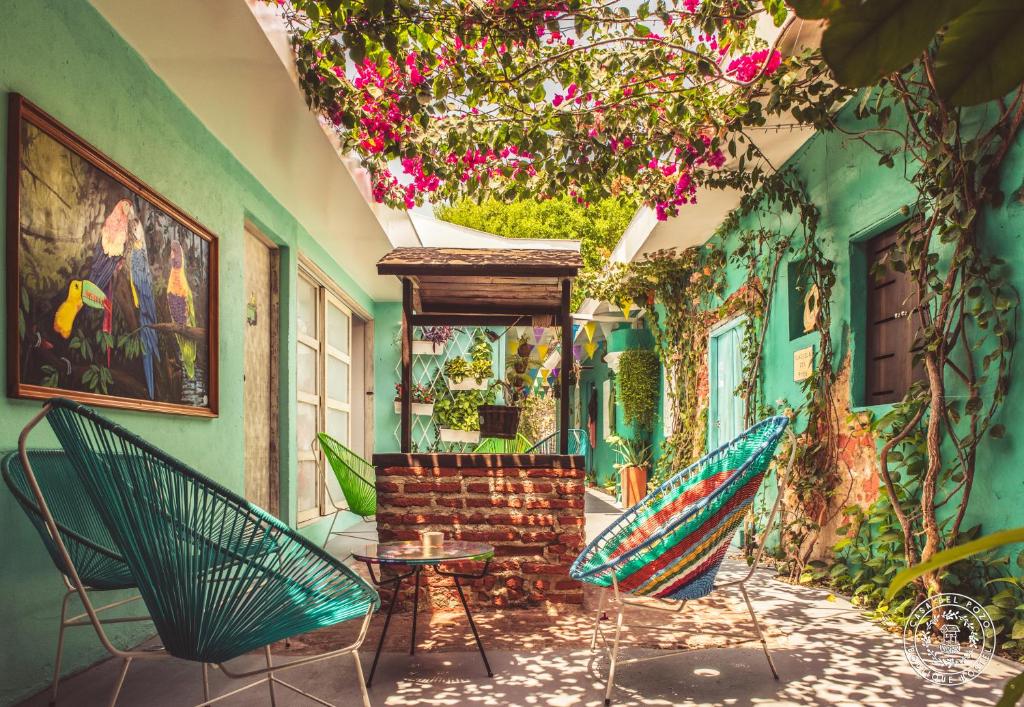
pixel 529 507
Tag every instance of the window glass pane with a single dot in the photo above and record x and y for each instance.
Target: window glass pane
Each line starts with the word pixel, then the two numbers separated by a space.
pixel 337 328
pixel 337 425
pixel 337 380
pixel 307 307
pixel 307 486
pixel 306 367
pixel 305 415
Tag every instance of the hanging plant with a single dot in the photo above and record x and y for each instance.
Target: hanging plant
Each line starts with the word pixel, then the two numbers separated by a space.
pixel 639 370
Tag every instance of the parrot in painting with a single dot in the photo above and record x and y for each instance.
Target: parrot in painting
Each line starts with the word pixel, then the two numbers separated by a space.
pixel 142 295
pixel 64 319
pixel 182 308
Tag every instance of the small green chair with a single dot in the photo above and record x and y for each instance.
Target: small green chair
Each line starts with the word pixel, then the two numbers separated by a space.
pixel 93 552
pixel 357 479
pixel 220 576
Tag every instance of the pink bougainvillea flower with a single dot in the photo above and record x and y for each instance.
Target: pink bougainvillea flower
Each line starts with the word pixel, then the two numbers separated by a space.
pixel 557 100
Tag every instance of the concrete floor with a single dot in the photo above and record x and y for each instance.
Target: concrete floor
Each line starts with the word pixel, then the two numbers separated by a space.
pixel 825 651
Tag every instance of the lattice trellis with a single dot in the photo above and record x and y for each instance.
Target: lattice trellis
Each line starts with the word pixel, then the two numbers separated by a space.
pixel 427 369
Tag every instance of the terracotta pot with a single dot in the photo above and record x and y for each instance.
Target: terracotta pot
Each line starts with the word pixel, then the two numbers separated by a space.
pixel 634 484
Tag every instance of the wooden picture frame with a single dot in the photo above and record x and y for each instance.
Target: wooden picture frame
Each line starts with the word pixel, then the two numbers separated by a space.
pixel 112 290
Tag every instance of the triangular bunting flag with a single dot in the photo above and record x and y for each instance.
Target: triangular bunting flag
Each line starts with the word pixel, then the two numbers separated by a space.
pixel 607 328
pixel 538 334
pixel 590 347
pixel 554 372
pixel 589 328
pixel 534 372
pixel 575 331
pixel 626 307
pixel 577 352
pixel 542 352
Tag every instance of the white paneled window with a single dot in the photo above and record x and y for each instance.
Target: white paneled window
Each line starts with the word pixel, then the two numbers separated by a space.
pixel 324 395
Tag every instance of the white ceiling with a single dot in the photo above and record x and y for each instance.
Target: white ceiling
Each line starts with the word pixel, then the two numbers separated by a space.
pixel 238 79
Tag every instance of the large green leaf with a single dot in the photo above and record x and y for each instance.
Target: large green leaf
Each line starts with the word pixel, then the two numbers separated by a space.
pixel 867 40
pixel 1012 693
pixel 954 554
pixel 814 9
pixel 981 55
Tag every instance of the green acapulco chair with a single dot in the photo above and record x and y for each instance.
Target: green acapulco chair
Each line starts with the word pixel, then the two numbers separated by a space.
pixel 667 549
pixel 92 552
pixel 220 576
pixel 357 479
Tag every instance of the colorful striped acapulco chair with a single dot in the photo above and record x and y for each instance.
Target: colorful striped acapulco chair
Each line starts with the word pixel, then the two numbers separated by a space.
pixel 667 549
pixel 219 576
pixel 93 553
pixel 357 479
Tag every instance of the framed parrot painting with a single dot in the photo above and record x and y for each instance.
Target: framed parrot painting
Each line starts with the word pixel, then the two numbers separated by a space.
pixel 112 290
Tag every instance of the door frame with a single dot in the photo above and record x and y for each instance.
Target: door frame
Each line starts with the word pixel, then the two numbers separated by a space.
pixel 714 334
pixel 273 379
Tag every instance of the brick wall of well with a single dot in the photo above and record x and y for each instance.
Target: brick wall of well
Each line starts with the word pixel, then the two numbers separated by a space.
pixel 529 507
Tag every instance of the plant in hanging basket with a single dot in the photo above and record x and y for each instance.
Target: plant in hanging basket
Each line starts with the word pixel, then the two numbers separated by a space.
pixel 502 421
pixel 438 335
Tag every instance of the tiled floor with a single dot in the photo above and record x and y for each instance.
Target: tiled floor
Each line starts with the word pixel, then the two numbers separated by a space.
pixel 826 653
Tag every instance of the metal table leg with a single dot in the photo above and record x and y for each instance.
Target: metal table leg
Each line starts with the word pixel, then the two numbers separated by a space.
pixel 472 626
pixel 415 611
pixel 397 581
pixel 465 605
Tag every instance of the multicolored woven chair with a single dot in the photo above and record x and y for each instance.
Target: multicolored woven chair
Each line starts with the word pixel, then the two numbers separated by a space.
pixel 220 576
pixel 88 543
pixel 667 549
pixel 357 480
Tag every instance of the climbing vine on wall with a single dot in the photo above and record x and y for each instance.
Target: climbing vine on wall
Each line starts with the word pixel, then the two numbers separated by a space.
pixel 639 371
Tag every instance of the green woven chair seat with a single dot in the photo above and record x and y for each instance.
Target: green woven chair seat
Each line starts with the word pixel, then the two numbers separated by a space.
pixel 499 445
pixel 86 538
pixel 219 576
pixel 356 476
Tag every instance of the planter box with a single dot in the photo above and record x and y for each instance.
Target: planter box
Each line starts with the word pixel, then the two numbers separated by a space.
pixel 449 435
pixel 426 348
pixel 467 384
pixel 417 408
pixel 634 485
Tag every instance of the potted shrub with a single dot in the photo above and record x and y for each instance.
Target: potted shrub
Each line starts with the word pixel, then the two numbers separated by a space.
pixel 457 418
pixel 635 461
pixel 474 373
pixel 502 421
pixel 422 399
pixel 433 340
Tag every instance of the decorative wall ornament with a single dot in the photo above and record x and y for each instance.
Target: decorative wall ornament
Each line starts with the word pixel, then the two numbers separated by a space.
pixel 112 290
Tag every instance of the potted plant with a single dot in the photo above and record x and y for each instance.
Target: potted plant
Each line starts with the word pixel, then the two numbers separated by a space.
pixel 635 456
pixel 457 418
pixel 433 340
pixel 474 373
pixel 502 421
pixel 422 398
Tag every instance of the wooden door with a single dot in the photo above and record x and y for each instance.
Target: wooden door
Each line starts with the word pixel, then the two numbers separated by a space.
pixel 260 373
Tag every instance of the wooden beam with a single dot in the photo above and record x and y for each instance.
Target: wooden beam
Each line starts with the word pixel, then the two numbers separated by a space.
pixel 497 320
pixel 567 363
pixel 406 406
pixel 488 308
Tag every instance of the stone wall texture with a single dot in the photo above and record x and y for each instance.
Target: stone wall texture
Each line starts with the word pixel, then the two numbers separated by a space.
pixel 529 508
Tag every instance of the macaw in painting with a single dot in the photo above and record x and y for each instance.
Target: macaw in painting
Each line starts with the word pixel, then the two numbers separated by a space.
pixel 142 295
pixel 182 308
pixel 108 256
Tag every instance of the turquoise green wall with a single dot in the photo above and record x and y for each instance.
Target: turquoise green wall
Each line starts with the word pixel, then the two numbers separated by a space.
pixel 62 55
pixel 859 199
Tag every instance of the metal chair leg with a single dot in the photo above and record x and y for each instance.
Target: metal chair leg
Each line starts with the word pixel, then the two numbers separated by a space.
pixel 331 529
pixel 359 676
pixel 206 683
pixel 760 634
pixel 615 653
pixel 120 682
pixel 601 596
pixel 60 647
pixel 415 612
pixel 270 676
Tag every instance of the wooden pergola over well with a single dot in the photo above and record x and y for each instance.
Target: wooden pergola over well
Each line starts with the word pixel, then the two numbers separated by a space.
pixel 483 287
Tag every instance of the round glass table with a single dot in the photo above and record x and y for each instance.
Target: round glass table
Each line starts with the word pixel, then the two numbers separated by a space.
pixel 416 557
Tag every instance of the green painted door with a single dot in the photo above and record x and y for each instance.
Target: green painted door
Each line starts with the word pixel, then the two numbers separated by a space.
pixel 725 370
